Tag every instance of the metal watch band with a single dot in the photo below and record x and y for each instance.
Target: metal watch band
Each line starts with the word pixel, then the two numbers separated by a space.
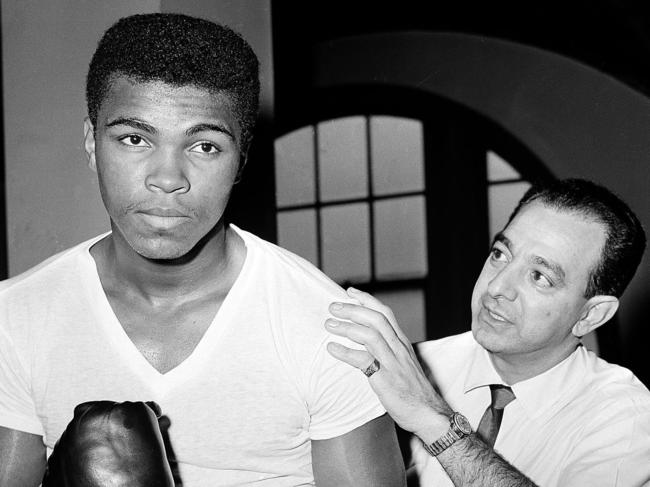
pixel 441 444
pixel 449 438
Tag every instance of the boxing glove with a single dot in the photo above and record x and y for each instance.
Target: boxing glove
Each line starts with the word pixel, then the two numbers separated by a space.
pixel 110 444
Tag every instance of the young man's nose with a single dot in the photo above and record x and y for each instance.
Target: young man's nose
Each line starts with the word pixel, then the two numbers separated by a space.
pixel 167 173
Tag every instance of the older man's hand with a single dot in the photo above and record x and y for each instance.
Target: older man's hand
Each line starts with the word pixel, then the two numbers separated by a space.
pixel 400 382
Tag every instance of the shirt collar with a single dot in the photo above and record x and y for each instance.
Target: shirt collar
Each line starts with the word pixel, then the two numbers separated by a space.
pixel 536 394
pixel 481 372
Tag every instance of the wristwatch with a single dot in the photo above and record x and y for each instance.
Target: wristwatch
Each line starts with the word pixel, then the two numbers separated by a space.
pixel 459 428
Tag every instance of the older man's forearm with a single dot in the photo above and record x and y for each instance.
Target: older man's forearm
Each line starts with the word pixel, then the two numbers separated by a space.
pixel 471 463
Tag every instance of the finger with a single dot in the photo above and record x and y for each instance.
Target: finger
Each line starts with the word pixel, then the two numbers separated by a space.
pixel 360 359
pixel 370 318
pixel 363 335
pixel 363 315
pixel 369 301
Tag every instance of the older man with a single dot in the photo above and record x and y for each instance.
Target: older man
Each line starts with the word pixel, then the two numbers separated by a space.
pixel 519 401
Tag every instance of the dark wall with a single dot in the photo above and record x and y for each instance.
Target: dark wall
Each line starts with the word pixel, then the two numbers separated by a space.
pixel 612 36
pixel 584 113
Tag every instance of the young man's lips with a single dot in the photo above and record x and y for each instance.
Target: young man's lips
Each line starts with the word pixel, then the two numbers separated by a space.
pixel 163 212
pixel 163 218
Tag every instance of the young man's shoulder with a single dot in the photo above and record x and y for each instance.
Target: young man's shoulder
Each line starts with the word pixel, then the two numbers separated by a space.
pixel 290 296
pixel 35 304
pixel 49 272
pixel 290 271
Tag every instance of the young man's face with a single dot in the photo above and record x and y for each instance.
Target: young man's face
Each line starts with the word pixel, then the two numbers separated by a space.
pixel 166 159
pixel 530 292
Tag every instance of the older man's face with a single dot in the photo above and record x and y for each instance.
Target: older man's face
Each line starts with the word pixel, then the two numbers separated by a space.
pixel 530 292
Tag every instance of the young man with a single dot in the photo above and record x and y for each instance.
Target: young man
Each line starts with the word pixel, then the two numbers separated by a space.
pixel 558 415
pixel 221 329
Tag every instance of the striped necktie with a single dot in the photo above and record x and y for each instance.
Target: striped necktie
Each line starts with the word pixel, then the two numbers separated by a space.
pixel 488 428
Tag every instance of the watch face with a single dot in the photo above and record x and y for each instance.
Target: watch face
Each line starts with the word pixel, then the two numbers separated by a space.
pixel 462 423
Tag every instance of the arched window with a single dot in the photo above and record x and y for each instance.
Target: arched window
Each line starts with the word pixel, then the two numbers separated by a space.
pixel 399 193
pixel 350 198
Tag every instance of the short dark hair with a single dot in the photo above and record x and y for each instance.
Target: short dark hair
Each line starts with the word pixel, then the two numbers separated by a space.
pixel 625 238
pixel 179 50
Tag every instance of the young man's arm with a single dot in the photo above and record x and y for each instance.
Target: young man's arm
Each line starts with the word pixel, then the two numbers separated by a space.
pixel 366 456
pixel 22 458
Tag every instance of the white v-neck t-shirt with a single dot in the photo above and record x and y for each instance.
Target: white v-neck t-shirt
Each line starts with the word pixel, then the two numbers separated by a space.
pixel 244 406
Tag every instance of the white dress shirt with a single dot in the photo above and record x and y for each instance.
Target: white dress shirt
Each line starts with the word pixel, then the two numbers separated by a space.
pixel 584 422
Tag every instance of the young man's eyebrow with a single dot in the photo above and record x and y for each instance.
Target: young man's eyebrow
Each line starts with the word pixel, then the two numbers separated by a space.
pixel 133 122
pixel 207 127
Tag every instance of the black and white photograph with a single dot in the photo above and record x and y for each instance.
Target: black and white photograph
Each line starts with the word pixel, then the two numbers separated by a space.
pixel 274 243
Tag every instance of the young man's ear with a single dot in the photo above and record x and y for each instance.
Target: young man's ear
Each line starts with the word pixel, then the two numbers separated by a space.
pixel 596 312
pixel 243 158
pixel 89 143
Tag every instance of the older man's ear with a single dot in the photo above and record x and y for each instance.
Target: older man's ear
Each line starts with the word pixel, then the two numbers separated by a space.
pixel 597 311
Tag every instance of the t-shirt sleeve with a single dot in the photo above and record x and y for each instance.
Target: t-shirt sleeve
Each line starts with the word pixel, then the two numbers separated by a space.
pixel 615 452
pixel 339 395
pixel 17 410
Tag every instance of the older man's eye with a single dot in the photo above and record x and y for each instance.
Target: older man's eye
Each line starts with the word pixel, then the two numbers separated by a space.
pixel 497 255
pixel 541 280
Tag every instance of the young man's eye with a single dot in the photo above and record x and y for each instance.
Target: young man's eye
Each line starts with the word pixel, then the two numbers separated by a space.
pixel 541 280
pixel 204 148
pixel 133 140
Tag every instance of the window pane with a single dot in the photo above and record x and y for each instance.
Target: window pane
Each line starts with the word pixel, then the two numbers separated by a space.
pixel 397 155
pixel 297 233
pixel 498 169
pixel 400 238
pixel 294 168
pixel 343 158
pixel 408 307
pixel 502 199
pixel 346 242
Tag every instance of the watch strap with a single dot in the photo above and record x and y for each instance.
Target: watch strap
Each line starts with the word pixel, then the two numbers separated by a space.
pixel 441 444
pixel 446 440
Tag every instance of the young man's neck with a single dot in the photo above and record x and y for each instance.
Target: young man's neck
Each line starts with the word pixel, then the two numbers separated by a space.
pixel 213 263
